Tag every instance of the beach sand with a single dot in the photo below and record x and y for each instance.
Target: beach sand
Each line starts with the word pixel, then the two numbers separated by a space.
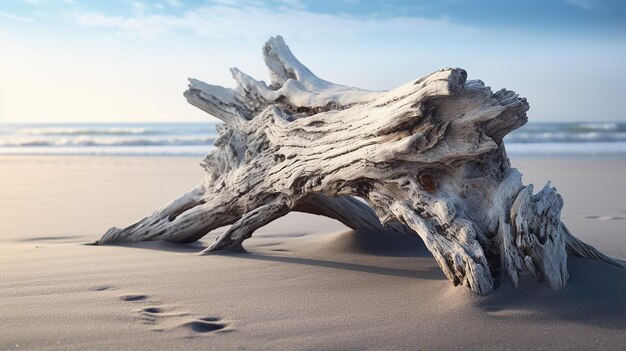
pixel 307 282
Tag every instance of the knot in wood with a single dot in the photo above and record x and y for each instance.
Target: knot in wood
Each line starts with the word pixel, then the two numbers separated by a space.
pixel 427 182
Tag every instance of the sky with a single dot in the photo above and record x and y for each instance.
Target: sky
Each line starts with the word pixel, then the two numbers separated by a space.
pixel 128 61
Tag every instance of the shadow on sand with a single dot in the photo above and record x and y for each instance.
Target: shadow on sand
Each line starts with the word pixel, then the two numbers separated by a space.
pixel 595 295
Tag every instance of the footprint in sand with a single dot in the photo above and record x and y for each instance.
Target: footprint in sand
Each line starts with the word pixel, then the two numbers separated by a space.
pixel 152 310
pixel 204 326
pixel 133 297
pixel 104 287
pixel 165 319
pixel 607 218
pixel 50 238
pixel 171 318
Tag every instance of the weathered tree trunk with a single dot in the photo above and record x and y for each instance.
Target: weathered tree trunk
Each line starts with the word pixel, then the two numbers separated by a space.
pixel 427 158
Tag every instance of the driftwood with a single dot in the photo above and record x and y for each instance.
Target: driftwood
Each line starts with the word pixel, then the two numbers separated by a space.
pixel 426 158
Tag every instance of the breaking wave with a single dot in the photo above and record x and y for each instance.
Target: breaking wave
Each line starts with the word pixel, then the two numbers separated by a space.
pixel 104 141
pixel 580 132
pixel 578 138
pixel 85 131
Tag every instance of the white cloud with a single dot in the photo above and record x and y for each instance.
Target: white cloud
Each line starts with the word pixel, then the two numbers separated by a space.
pixel 295 4
pixel 175 3
pixel 140 6
pixel 32 2
pixel 585 4
pixel 148 27
pixel 17 17
pixel 255 21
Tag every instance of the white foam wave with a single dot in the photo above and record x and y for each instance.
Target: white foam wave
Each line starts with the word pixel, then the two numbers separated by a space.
pixel 566 149
pixel 564 137
pixel 84 131
pixel 104 141
pixel 161 150
pixel 600 126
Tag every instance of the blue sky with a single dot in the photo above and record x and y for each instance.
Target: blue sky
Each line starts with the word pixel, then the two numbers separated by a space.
pixel 93 61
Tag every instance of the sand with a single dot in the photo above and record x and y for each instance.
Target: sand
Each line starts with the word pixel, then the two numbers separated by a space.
pixel 306 283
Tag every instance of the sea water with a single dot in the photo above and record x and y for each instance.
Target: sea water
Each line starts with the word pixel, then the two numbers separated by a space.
pixel 121 139
pixel 196 139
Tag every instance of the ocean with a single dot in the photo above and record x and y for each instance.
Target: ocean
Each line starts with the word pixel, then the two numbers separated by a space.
pixel 196 139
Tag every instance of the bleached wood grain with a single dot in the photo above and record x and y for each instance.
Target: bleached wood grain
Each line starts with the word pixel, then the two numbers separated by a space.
pixel 428 158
